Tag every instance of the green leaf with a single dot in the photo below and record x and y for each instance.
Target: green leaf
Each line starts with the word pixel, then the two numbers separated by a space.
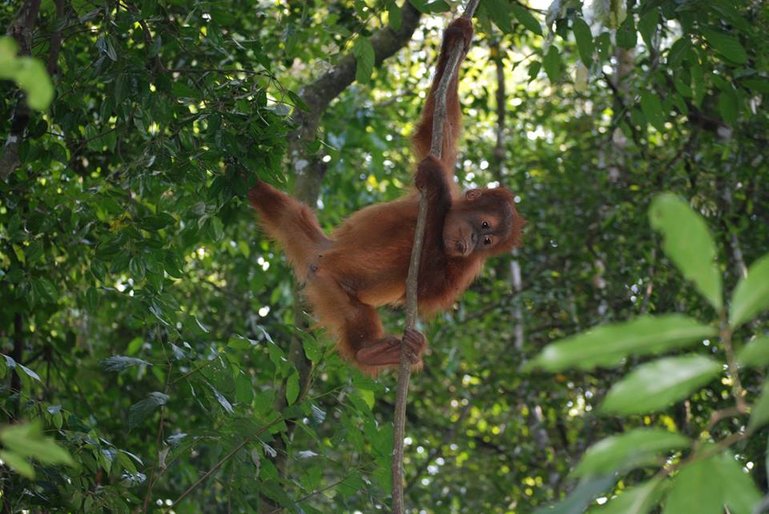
pixel 755 353
pixel 223 401
pixel 639 447
pixel 655 385
pixel 552 64
pixel 8 50
pixel 499 12
pixel 33 78
pixel 139 411
pixel 584 39
pixel 118 363
pixel 698 82
pixel 635 500
pixel 17 463
pixel 30 373
pixel 311 348
pixel 395 15
pixel 28 73
pixel 607 345
pixel 244 390
pixel 427 7
pixel 688 243
pixel 580 497
pixel 726 45
pixel 526 19
pixel 759 414
pixel 751 295
pixel 706 485
pixel 652 109
pixel 351 485
pixel 364 59
pixel 728 105
pixel 367 396
pixel 758 85
pixel 647 25
pixel 27 440
pixel 626 34
pixel 292 388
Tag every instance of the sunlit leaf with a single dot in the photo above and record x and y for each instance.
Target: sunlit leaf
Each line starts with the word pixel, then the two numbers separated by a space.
pixel 751 295
pixel 367 396
pixel 658 384
pixel 607 345
pixel 632 449
pixel 29 74
pixel 688 243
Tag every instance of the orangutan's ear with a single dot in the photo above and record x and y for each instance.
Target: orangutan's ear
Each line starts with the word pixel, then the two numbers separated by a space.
pixel 473 194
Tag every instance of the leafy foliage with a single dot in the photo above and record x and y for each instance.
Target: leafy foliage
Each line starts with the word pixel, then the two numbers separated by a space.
pixel 148 330
pixel 709 479
pixel 28 73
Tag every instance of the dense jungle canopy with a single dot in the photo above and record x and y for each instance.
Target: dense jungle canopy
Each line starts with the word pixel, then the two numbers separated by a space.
pixel 156 356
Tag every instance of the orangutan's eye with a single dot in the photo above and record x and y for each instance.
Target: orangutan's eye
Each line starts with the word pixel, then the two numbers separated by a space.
pixel 487 241
pixel 485 224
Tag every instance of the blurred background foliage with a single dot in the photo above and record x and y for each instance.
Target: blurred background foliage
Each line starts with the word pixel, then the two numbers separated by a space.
pixel 146 324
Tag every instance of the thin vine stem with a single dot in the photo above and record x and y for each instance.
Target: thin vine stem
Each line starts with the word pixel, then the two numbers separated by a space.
pixel 404 370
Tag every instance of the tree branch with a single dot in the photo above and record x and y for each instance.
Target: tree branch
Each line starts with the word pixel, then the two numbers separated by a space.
pixel 319 94
pixel 404 370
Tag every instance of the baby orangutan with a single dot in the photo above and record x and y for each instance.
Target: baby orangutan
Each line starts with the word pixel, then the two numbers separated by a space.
pixel 364 263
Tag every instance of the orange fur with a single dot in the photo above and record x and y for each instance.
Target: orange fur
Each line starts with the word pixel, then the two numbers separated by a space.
pixel 364 263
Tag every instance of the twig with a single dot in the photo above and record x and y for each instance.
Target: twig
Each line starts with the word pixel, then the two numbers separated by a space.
pixel 726 340
pixel 404 370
